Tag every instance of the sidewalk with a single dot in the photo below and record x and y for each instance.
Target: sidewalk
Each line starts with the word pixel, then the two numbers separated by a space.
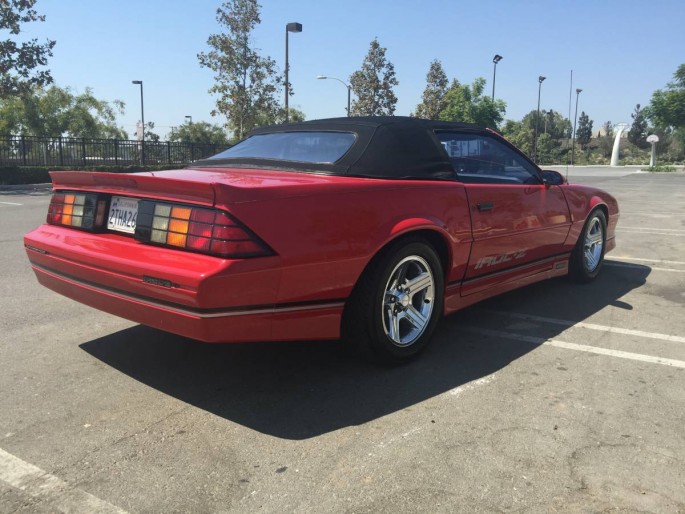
pixel 26 187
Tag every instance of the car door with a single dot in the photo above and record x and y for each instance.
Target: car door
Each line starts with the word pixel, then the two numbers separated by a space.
pixel 519 224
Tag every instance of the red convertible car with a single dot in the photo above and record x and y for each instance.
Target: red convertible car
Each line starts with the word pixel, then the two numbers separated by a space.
pixel 366 229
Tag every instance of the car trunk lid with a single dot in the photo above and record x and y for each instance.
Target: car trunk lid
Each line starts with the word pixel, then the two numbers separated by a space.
pixel 208 186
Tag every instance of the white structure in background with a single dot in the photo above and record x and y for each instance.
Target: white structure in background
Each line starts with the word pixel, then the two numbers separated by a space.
pixel 619 127
pixel 139 131
pixel 653 139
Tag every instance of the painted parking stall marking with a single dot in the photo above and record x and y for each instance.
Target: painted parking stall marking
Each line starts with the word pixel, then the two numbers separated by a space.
pixel 637 266
pixel 653 214
pixel 590 326
pixel 39 484
pixel 654 231
pixel 541 341
pixel 655 261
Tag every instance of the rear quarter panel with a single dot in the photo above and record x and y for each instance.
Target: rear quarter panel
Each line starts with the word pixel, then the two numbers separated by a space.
pixel 326 236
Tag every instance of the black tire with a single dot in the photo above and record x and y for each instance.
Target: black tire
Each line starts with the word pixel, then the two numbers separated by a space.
pixel 587 256
pixel 383 314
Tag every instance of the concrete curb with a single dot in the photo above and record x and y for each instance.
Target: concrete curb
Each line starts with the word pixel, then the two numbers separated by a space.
pixel 27 187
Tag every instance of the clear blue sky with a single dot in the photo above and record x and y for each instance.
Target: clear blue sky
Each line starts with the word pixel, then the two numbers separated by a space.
pixel 620 51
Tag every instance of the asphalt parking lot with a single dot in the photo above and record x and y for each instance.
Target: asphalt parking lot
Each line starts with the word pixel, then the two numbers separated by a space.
pixel 555 397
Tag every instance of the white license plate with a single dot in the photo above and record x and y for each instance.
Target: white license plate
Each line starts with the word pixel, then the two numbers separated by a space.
pixel 122 214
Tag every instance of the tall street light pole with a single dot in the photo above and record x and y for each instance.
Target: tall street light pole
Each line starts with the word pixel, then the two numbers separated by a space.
pixel 349 89
pixel 142 120
pixel 495 60
pixel 537 120
pixel 575 119
pixel 290 27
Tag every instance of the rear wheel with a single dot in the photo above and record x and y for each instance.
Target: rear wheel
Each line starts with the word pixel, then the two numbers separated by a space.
pixel 588 255
pixel 397 303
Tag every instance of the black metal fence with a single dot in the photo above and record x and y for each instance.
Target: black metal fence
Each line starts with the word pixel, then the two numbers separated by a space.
pixel 68 151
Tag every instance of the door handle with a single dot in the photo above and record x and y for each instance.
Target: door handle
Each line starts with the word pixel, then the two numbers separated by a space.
pixel 485 206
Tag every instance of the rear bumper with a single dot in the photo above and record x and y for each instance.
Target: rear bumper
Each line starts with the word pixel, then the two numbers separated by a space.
pixel 211 300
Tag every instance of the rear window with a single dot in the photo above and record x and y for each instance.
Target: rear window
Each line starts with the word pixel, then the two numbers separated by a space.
pixel 313 147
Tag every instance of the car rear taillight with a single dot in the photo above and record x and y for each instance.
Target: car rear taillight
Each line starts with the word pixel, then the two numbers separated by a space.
pixel 79 210
pixel 196 229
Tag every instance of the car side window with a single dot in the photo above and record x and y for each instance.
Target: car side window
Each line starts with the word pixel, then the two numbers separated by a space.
pixel 479 159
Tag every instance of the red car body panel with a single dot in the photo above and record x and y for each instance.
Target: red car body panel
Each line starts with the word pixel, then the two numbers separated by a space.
pixel 321 247
pixel 322 232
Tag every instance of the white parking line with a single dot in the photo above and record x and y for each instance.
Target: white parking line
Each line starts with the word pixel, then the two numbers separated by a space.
pixel 658 231
pixel 540 341
pixel 655 214
pixel 637 266
pixel 37 483
pixel 470 385
pixel 636 259
pixel 590 326
pixel 11 203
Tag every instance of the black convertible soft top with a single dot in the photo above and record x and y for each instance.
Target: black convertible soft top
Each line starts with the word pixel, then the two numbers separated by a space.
pixel 384 147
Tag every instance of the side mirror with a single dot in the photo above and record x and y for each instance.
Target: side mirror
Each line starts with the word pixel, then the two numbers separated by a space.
pixel 552 178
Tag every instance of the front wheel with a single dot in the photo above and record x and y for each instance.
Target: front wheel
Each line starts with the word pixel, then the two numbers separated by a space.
pixel 397 303
pixel 588 255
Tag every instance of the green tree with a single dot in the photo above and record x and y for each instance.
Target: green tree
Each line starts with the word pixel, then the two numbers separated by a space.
pixel 553 124
pixel 21 63
pixel 584 130
pixel 547 150
pixel 608 129
pixel 200 132
pixel 373 84
pixel 467 104
pixel 605 141
pixel 638 130
pixel 520 134
pixel 60 112
pixel 149 134
pixel 294 116
pixel 552 142
pixel 246 83
pixel 667 109
pixel 433 99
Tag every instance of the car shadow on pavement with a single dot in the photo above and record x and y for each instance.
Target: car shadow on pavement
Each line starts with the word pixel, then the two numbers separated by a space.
pixel 305 389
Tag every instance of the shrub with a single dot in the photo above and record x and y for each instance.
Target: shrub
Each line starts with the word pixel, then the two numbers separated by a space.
pixel 661 168
pixel 15 175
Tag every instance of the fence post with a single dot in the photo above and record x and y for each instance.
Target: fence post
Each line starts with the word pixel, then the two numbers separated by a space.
pixel 26 150
pixel 23 149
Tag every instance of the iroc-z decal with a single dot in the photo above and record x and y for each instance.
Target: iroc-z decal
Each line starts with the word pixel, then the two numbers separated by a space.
pixel 493 260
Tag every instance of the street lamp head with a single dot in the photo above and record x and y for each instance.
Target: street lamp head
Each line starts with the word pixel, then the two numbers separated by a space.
pixel 578 91
pixel 136 82
pixel 294 27
pixel 497 58
pixel 541 78
pixel 321 77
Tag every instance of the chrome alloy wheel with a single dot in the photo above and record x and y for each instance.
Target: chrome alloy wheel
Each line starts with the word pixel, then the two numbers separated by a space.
pixel 594 241
pixel 408 302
